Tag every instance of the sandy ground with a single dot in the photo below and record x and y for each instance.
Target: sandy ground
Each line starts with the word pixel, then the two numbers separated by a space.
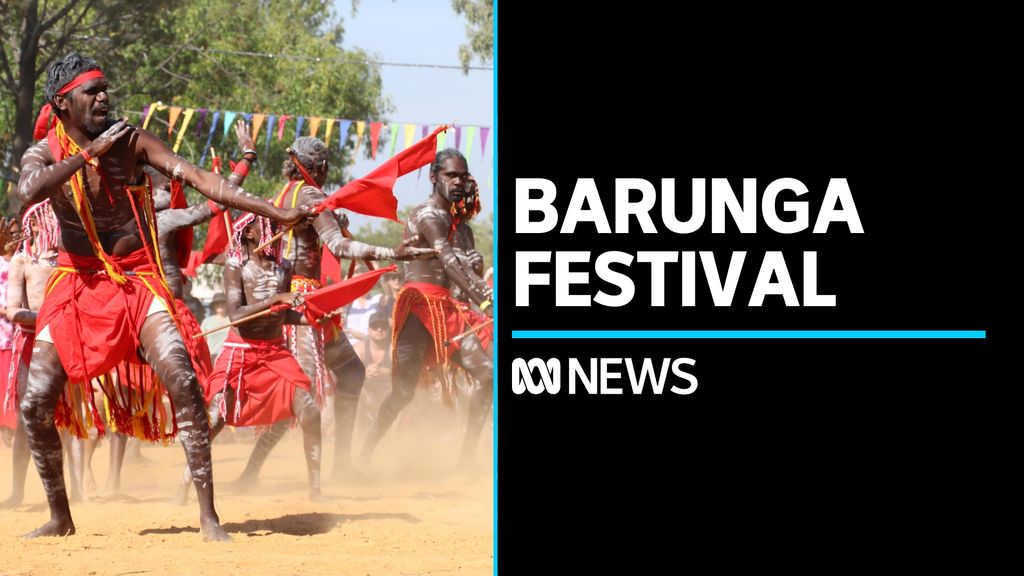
pixel 415 518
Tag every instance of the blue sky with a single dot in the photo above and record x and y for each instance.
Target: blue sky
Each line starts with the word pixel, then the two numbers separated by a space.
pixel 422 32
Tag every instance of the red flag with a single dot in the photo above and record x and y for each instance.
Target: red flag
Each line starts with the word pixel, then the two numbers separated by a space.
pixel 183 237
pixel 330 268
pixel 326 300
pixel 372 194
pixel 194 260
pixel 219 234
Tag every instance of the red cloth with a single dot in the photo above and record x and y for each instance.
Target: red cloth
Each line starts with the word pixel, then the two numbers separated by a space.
pixel 438 312
pixel 372 194
pixel 474 319
pixel 8 395
pixel 323 301
pixel 198 349
pixel 263 374
pixel 95 322
pixel 183 237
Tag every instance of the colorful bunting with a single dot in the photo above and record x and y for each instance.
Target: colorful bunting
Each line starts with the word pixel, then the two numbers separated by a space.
pixel 280 126
pixel 257 123
pixel 343 127
pixel 410 133
pixel 184 126
pixel 484 130
pixel 298 126
pixel 394 139
pixel 374 138
pixel 470 134
pixel 327 132
pixel 314 125
pixel 175 111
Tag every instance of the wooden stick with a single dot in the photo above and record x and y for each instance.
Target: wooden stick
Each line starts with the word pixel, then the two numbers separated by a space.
pixel 270 310
pixel 470 331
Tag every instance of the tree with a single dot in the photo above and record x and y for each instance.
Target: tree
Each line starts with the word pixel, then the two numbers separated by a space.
pixel 479 30
pixel 201 53
pixel 32 36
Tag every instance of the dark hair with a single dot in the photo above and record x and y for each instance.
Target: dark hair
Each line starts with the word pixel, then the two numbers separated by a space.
pixel 310 151
pixel 63 71
pixel 444 155
pixel 379 318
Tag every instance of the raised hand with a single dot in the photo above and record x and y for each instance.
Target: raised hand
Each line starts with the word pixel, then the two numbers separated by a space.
pixel 292 299
pixel 105 141
pixel 245 141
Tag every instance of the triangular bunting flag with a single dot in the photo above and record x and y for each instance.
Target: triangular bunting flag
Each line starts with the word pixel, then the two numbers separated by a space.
pixel 229 120
pixel 394 139
pixel 458 136
pixel 343 127
pixel 484 130
pixel 280 126
pixel 201 123
pixel 360 127
pixel 314 125
pixel 184 126
pixel 410 133
pixel 441 138
pixel 209 138
pixel 374 138
pixel 327 132
pixel 298 126
pixel 470 134
pixel 175 111
pixel 149 113
pixel 257 123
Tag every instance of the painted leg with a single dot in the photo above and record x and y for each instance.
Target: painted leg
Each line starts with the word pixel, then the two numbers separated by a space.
pixel 163 349
pixel 118 442
pixel 309 419
pixel 413 343
pixel 349 373
pixel 45 383
pixel 216 426
pixel 478 363
pixel 264 445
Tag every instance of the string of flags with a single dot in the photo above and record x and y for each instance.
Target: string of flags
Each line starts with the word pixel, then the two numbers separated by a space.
pixel 466 139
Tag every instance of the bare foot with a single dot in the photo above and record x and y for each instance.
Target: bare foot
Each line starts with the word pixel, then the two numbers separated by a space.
pixel 318 496
pixel 55 527
pixel 13 502
pixel 212 531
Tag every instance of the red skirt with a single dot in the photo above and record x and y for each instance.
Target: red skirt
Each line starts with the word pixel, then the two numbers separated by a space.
pixel 263 374
pixel 438 312
pixel 94 323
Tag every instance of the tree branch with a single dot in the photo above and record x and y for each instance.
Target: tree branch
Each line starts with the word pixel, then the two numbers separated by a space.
pixel 8 75
pixel 63 38
pixel 48 23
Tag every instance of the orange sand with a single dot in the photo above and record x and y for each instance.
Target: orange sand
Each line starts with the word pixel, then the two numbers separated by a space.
pixel 417 518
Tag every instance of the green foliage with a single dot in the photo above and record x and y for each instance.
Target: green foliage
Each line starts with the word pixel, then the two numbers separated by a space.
pixel 479 30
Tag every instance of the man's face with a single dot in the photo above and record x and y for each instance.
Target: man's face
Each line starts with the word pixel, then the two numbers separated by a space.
pixel 450 181
pixel 87 106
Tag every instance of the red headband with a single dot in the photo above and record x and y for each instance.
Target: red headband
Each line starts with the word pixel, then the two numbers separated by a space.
pixel 43 121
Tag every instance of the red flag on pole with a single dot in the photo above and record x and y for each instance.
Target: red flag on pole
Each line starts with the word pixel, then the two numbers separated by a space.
pixel 321 302
pixel 330 268
pixel 372 194
pixel 219 234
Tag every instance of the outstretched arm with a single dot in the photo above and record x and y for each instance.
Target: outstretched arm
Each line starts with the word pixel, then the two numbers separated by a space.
pixel 174 219
pixel 329 229
pixel 221 191
pixel 434 229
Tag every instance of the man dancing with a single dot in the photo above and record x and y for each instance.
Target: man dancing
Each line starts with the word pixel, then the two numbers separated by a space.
pixel 425 315
pixel 257 381
pixel 108 310
pixel 320 347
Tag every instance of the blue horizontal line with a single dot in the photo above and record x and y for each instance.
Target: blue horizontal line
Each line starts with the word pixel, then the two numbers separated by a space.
pixel 750 334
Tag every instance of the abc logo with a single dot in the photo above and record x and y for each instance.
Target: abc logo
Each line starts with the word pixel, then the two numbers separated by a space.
pixel 549 376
